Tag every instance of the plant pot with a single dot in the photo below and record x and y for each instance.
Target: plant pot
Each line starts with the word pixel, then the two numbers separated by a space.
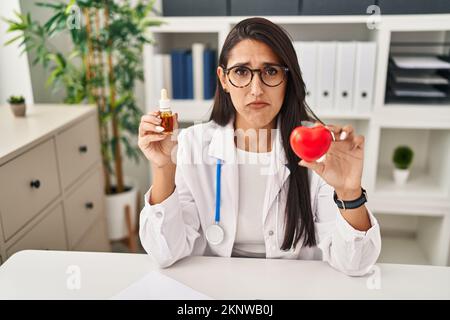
pixel 18 109
pixel 401 176
pixel 116 212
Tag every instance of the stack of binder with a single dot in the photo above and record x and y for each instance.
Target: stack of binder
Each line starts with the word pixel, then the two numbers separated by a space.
pixel 339 76
pixel 423 78
pixel 186 73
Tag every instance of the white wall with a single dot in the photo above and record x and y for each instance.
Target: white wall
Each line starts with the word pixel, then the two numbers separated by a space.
pixel 14 70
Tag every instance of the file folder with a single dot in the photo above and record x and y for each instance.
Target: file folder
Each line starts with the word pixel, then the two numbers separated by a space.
pixel 345 73
pixel 326 75
pixel 364 76
pixel 307 60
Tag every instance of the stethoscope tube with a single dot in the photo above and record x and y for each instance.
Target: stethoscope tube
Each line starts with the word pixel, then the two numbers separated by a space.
pixel 214 233
pixel 218 178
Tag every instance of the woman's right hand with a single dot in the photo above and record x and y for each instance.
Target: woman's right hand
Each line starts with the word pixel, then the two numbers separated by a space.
pixel 156 146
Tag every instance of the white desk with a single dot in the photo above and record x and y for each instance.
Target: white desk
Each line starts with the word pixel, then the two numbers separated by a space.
pixel 42 275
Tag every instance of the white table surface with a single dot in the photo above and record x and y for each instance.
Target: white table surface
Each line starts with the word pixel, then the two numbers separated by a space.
pixel 34 274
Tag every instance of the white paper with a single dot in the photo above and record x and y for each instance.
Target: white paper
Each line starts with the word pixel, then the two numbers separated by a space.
pixel 432 93
pixel 156 286
pixel 421 79
pixel 420 62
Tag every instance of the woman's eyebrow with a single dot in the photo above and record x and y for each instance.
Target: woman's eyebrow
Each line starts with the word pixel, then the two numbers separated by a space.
pixel 248 63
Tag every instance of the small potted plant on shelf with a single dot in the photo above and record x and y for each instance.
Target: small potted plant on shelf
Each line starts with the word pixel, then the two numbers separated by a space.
pixel 18 106
pixel 403 156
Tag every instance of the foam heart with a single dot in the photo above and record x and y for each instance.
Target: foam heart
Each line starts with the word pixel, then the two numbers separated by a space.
pixel 310 143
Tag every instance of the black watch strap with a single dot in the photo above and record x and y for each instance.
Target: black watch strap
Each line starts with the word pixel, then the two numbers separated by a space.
pixel 352 204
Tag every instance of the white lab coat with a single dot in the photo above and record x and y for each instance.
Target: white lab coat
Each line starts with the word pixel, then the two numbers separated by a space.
pixel 175 228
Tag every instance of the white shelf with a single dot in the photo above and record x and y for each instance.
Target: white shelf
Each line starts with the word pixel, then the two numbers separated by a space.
pixel 392 22
pixel 408 206
pixel 419 185
pixel 414 116
pixel 402 250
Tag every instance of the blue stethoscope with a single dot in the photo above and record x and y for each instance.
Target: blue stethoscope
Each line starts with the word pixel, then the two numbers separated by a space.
pixel 215 233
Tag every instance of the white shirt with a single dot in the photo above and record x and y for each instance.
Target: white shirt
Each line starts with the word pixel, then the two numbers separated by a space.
pixel 175 228
pixel 249 240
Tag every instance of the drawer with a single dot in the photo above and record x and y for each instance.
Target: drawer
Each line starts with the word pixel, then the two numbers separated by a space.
pixel 48 234
pixel 20 201
pixel 96 239
pixel 83 206
pixel 78 148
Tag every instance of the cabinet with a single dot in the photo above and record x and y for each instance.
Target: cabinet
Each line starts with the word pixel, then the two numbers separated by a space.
pixel 414 219
pixel 51 180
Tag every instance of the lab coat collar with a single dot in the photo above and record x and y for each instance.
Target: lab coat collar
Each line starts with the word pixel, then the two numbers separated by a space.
pixel 222 143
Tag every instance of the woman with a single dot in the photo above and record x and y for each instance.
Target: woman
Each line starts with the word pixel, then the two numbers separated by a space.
pixel 212 201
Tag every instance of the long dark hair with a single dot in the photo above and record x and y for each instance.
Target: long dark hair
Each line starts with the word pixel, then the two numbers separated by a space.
pixel 299 220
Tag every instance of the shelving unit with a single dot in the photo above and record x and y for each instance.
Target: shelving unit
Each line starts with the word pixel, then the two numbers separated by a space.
pixel 423 205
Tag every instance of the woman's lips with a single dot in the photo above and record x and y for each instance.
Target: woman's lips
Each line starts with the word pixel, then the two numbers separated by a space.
pixel 257 105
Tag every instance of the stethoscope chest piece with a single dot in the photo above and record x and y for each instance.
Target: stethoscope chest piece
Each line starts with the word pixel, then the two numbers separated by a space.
pixel 215 234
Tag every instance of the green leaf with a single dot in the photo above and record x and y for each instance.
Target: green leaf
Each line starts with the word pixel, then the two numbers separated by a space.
pixel 13 40
pixel 50 5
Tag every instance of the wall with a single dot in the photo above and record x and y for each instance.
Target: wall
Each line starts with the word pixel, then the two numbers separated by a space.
pixel 14 71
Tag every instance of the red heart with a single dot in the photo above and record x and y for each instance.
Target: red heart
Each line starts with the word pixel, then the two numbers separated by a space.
pixel 310 143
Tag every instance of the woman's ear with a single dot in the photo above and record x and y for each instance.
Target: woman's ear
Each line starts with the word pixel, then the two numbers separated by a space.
pixel 222 78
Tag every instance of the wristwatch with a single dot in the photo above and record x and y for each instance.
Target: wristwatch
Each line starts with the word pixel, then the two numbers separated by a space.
pixel 352 204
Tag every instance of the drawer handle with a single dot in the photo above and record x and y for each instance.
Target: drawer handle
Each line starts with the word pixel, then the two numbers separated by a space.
pixel 83 149
pixel 89 205
pixel 35 184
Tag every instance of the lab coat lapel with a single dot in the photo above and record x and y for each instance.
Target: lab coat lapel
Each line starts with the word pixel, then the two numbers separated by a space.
pixel 278 172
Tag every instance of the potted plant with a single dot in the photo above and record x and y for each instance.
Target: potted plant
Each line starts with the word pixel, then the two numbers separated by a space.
pixel 18 106
pixel 105 62
pixel 402 158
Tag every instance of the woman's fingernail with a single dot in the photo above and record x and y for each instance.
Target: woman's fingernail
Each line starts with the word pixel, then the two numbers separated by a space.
pixel 321 159
pixel 159 128
pixel 343 135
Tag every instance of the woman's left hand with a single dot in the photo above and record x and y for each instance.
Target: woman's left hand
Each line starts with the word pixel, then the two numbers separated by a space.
pixel 343 163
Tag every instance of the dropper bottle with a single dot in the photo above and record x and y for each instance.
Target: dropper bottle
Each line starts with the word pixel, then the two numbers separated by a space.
pixel 165 113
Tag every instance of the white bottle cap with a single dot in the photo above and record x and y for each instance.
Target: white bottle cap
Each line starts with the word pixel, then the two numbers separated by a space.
pixel 164 102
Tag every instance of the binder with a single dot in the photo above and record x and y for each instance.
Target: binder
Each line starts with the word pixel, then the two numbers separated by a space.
pixel 345 73
pixel 161 76
pixel 197 60
pixel 364 76
pixel 307 60
pixel 167 75
pixel 209 73
pixel 157 74
pixel 189 76
pixel 326 75
pixel 178 78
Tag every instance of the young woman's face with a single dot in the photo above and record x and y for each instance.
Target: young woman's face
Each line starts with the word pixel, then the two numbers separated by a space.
pixel 254 55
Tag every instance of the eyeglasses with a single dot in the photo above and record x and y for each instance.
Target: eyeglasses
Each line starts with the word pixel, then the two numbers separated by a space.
pixel 270 75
